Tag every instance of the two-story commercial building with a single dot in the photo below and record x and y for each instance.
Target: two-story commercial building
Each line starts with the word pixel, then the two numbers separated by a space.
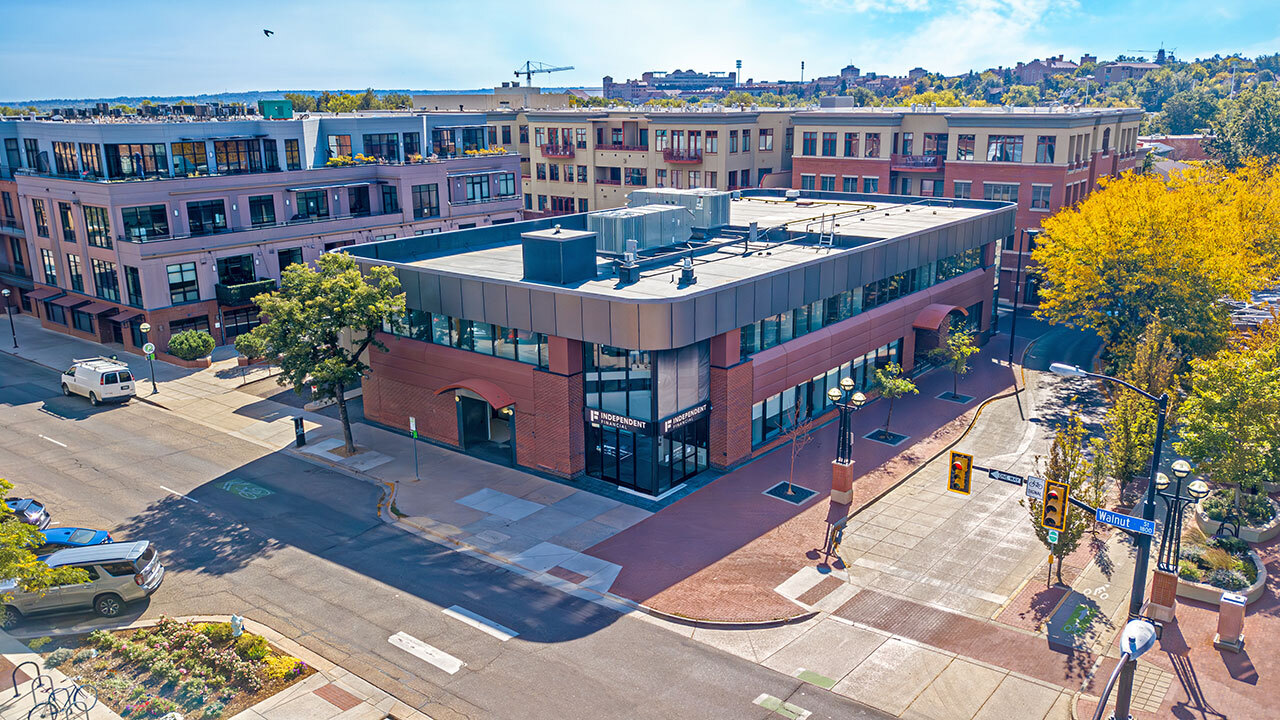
pixel 1042 159
pixel 581 160
pixel 181 224
pixel 646 344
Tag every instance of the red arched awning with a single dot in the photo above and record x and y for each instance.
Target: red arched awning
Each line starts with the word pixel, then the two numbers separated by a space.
pixel 492 394
pixel 932 316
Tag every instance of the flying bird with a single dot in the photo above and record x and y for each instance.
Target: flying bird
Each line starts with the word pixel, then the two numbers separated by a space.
pixel 268 33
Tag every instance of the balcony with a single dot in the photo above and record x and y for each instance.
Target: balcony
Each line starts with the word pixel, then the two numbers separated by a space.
pixel 242 294
pixel 558 151
pixel 916 163
pixel 679 155
pixel 624 148
pixel 608 181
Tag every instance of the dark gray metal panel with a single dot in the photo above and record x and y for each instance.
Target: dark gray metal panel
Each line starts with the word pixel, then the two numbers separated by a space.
pixel 705 315
pixel 569 316
pixel 812 284
pixel 826 278
pixel 543 307
pixel 519 308
pixel 900 263
pixel 451 296
pixel 874 268
pixel 622 322
pixel 913 251
pixel 654 326
pixel 473 300
pixel 429 293
pixel 779 293
pixel 495 303
pixel 746 305
pixel 726 311
pixel 410 285
pixel 795 288
pixel 853 275
pixel 683 323
pixel 764 297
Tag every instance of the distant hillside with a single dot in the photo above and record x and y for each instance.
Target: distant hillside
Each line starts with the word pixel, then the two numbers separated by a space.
pixel 249 97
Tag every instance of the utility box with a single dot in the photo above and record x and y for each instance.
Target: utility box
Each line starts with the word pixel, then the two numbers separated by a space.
pixel 1230 622
pixel 559 256
pixel 709 207
pixel 275 109
pixel 651 226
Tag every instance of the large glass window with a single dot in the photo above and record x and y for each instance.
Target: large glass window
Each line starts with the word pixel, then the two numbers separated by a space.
pixel 137 160
pixel 1044 148
pixel 133 286
pixel 964 147
pixel 64 158
pixel 67 221
pixel 507 183
pixel 190 158
pixel 478 187
pixel 50 267
pixel 426 201
pixel 270 155
pixel 384 146
pixel 851 144
pixel 809 143
pixel 145 222
pixel 237 156
pixel 413 144
pixel 183 286
pixel 34 161
pixel 503 342
pixel 206 216
pixel 91 159
pixel 289 256
pixel 358 200
pixel 1004 148
pixel 313 203
pixel 828 144
pixel 292 158
pixel 11 153
pixel 236 270
pixel 935 144
pixel 871 148
pixel 262 210
pixel 339 145
pixel 1007 192
pixel 97 226
pixel 619 381
pixel 105 282
pixel 390 199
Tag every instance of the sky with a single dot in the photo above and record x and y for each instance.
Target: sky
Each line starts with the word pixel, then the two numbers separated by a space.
pixel 76 48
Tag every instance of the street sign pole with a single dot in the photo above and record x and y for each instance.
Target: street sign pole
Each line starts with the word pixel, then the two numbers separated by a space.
pixel 413 429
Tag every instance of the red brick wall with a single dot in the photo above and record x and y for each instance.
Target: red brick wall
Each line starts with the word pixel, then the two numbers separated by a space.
pixel 730 421
pixel 550 439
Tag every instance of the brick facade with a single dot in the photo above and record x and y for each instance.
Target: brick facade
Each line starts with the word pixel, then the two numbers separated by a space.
pixel 730 422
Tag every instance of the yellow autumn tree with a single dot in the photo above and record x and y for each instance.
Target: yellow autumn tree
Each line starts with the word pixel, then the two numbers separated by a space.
pixel 1142 247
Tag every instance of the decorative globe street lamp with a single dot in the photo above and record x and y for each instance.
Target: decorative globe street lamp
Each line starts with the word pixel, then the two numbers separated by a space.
pixel 1175 504
pixel 837 396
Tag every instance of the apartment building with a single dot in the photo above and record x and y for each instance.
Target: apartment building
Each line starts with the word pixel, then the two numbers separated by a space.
pixel 1042 159
pixel 15 262
pixel 581 160
pixel 181 224
pixel 538 345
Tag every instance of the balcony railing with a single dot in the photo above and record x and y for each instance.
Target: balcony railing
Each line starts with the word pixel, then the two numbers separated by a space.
pixel 9 226
pixel 915 163
pixel 249 228
pixel 627 148
pixel 557 151
pixel 678 155
pixel 483 200
pixel 607 181
pixel 243 293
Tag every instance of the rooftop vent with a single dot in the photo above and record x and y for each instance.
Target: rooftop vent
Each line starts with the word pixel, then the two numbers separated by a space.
pixel 559 256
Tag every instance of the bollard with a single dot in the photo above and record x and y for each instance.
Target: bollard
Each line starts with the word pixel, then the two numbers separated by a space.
pixel 1230 622
pixel 299 432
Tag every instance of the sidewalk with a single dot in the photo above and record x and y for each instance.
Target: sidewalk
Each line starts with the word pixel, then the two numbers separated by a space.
pixel 332 693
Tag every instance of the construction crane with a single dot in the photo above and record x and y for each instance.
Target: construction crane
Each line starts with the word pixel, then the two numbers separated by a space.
pixel 533 66
pixel 1160 54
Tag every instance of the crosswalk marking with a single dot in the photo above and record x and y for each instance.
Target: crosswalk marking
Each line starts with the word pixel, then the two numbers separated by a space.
pixel 423 651
pixel 483 624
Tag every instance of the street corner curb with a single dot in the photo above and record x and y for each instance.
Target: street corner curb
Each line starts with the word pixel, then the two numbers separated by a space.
pixel 151 402
pixel 725 624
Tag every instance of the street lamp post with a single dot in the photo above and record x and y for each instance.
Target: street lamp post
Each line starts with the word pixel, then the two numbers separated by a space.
pixel 1125 692
pixel 146 328
pixel 1175 504
pixel 8 310
pixel 844 445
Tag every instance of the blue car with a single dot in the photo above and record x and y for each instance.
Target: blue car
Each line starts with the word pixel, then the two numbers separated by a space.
pixel 30 511
pixel 62 538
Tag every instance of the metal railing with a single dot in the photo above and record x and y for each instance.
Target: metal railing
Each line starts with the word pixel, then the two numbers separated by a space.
pixel 558 151
pixel 915 162
pixel 676 155
pixel 248 228
pixel 607 181
pixel 620 146
pixel 243 293
pixel 481 201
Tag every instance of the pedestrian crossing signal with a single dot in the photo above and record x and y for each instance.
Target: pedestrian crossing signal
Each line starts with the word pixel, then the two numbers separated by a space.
pixel 961 473
pixel 1053 508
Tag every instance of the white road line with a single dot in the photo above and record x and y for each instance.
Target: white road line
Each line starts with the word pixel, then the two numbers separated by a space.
pixel 483 624
pixel 423 651
pixel 175 492
pixel 55 442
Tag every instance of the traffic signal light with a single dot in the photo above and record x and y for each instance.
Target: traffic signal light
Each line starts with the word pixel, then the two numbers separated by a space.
pixel 1053 509
pixel 961 473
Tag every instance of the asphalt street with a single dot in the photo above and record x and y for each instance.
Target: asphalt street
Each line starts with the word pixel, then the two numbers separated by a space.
pixel 299 547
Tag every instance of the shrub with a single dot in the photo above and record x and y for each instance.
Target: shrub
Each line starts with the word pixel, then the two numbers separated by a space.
pixel 1228 579
pixel 58 657
pixel 85 654
pixel 104 640
pixel 38 643
pixel 131 650
pixel 214 709
pixel 1233 545
pixel 1219 559
pixel 252 647
pixel 217 632
pixel 191 344
pixel 1256 510
pixel 1194 553
pixel 165 670
pixel 280 667
pixel 1188 570
pixel 192 692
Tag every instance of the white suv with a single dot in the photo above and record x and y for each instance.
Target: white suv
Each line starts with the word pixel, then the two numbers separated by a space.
pixel 99 379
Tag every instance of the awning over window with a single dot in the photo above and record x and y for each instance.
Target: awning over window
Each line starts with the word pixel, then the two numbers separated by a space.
pixel 43 293
pixel 334 186
pixel 97 308
pixel 932 317
pixel 69 301
pixel 125 316
pixel 492 394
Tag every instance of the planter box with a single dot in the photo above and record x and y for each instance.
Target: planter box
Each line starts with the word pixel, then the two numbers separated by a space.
pixel 243 361
pixel 1249 534
pixel 203 362
pixel 1213 595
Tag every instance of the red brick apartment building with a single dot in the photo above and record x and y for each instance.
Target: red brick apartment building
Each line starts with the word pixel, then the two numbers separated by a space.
pixel 1040 158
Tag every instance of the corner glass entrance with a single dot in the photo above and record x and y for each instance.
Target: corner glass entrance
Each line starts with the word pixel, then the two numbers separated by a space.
pixel 640 461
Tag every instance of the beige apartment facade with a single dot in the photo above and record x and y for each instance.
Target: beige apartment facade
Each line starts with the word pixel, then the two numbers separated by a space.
pixel 582 160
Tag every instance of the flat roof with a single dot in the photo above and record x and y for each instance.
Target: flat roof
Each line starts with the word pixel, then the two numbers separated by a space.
pixel 856 222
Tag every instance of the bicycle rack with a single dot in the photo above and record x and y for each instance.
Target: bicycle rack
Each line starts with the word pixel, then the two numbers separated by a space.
pixel 73 706
pixel 13 677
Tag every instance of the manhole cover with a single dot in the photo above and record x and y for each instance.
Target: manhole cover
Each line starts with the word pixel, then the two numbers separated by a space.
pixel 790 492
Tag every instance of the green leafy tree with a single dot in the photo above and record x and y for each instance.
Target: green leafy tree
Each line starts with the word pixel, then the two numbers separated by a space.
pixel 862 97
pixel 1248 127
pixel 320 323
pixel 18 563
pixel 396 101
pixel 955 347
pixel 301 103
pixel 1230 421
pixel 1066 464
pixel 368 101
pixel 1151 364
pixel 892 386
pixel 343 103
pixel 1189 111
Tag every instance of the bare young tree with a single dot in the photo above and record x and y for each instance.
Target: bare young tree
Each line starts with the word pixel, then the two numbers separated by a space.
pixel 799 433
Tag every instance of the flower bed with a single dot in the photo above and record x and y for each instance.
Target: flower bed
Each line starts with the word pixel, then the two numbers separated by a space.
pixel 1208 567
pixel 197 669
pixel 1255 527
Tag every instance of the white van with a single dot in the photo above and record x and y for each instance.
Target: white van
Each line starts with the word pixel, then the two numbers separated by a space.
pixel 99 379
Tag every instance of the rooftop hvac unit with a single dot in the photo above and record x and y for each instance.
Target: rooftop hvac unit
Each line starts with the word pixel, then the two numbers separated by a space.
pixel 793 194
pixel 650 226
pixel 710 207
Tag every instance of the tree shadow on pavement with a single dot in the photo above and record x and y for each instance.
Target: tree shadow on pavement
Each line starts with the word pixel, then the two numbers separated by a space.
pixel 192 538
